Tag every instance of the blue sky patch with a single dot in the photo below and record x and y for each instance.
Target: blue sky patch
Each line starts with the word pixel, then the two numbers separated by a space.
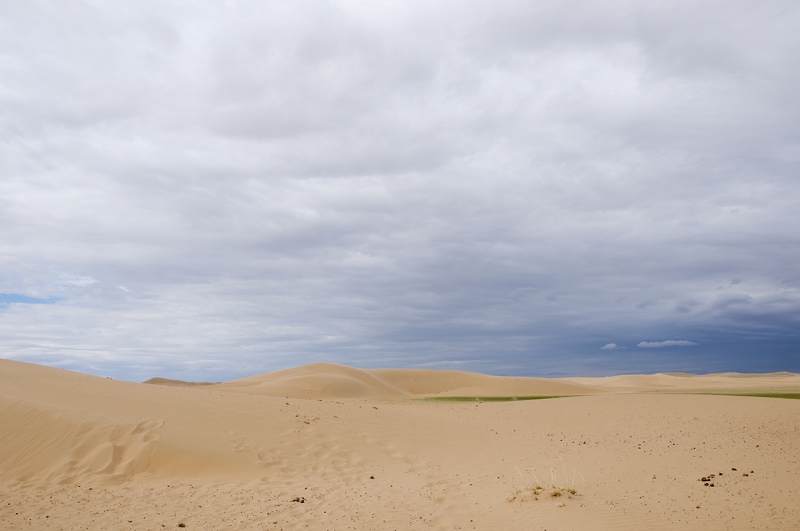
pixel 16 298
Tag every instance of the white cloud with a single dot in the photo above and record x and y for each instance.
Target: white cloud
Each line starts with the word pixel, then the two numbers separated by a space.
pixel 667 343
pixel 78 281
pixel 610 346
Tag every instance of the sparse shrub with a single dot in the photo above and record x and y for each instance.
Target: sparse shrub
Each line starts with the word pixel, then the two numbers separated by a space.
pixel 553 491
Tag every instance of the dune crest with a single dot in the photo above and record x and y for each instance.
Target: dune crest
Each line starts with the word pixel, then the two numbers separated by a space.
pixel 176 383
pixel 318 380
pixel 329 380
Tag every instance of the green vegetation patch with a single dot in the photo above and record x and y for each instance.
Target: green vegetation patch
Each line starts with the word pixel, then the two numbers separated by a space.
pixel 795 396
pixel 486 398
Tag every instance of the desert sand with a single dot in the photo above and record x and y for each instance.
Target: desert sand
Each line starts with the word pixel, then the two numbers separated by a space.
pixel 328 447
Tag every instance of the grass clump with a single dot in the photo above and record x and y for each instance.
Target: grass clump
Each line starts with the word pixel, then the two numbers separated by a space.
pixel 551 490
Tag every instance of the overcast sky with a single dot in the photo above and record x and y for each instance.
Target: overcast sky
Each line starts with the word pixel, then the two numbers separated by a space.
pixel 208 190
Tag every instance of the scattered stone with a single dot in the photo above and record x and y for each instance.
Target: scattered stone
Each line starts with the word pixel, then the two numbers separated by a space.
pixel 299 499
pixel 733 469
pixel 372 477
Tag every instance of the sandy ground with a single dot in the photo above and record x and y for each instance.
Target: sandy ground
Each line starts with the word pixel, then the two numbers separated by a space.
pixel 352 449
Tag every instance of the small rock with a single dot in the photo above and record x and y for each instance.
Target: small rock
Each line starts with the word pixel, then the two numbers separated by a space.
pixel 733 469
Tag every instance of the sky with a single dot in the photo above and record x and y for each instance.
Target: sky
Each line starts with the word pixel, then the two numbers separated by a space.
pixel 208 190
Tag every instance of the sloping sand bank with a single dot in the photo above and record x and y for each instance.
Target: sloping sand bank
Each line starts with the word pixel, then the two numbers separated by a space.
pixel 81 452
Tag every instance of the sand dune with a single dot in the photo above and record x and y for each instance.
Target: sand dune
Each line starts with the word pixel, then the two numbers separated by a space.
pixel 682 382
pixel 176 383
pixel 328 380
pixel 320 380
pixel 82 452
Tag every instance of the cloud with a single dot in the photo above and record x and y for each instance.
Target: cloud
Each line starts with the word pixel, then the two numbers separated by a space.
pixel 77 281
pixel 610 346
pixel 667 343
pixel 500 184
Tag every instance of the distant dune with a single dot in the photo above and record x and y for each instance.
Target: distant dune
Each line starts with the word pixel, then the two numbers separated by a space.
pixel 176 383
pixel 327 380
pixel 354 448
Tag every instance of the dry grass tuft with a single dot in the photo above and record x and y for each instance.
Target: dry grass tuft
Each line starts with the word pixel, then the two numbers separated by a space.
pixel 553 490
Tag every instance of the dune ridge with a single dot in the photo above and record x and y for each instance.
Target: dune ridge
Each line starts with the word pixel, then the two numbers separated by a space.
pixel 329 380
pixel 176 383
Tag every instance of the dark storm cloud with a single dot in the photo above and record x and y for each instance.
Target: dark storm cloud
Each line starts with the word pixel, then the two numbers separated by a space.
pixel 220 189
